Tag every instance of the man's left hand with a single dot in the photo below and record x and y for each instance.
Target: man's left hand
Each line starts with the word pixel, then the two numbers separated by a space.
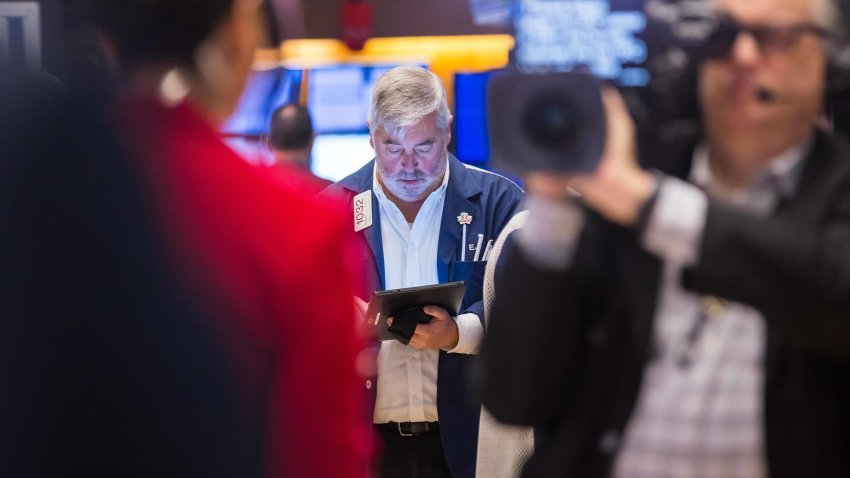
pixel 440 333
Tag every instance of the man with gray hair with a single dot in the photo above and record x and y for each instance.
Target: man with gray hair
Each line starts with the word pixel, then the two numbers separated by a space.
pixel 426 218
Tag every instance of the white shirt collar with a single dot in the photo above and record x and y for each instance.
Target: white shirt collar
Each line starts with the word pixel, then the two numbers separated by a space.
pixel 783 171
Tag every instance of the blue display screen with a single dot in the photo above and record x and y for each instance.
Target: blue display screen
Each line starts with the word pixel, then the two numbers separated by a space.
pixel 264 92
pixel 335 156
pixel 338 96
pixel 470 117
pixel 335 99
pixel 605 38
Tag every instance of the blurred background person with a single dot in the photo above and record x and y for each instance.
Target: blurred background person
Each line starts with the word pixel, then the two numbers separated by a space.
pixel 291 141
pixel 503 450
pixel 693 322
pixel 233 233
pixel 266 282
pixel 105 365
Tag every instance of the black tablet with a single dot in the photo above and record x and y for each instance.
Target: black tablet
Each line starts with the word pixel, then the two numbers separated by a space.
pixel 405 306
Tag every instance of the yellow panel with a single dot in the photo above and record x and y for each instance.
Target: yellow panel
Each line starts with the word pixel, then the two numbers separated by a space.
pixel 446 55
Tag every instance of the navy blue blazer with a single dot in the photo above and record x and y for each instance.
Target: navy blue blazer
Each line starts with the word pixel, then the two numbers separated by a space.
pixel 491 200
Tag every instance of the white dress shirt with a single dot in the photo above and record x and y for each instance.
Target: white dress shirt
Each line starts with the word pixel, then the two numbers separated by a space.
pixel 704 419
pixel 407 377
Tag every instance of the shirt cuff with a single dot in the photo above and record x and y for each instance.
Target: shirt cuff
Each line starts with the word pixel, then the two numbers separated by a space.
pixel 677 222
pixel 549 236
pixel 469 333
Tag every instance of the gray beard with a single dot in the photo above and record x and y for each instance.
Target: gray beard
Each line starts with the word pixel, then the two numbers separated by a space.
pixel 408 193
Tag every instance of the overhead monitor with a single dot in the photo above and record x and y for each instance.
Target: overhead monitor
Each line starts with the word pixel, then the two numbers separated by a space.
pixel 338 96
pixel 491 12
pixel 335 99
pixel 470 117
pixel 603 37
pixel 335 156
pixel 265 91
pixel 20 34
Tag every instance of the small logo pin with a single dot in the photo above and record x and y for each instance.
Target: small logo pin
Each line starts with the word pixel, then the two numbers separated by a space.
pixel 464 220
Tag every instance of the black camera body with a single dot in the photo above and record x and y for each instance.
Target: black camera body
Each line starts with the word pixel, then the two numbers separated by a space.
pixel 550 122
pixel 545 112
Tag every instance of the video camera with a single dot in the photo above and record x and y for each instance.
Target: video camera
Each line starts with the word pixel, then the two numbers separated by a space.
pixel 545 110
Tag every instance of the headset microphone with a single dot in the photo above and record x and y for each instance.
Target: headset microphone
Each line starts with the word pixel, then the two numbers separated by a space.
pixel 765 95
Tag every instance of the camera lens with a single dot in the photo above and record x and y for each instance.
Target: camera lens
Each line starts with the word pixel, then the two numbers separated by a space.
pixel 550 121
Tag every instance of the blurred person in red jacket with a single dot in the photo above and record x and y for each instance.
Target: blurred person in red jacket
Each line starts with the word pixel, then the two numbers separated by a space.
pixel 267 262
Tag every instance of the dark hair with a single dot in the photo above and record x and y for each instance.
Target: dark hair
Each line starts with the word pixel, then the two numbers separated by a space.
pixel 158 30
pixel 291 127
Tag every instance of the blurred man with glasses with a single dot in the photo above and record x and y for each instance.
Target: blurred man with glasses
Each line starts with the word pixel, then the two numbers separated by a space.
pixel 693 320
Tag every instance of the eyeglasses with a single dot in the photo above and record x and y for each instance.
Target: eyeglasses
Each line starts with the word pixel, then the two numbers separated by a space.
pixel 769 38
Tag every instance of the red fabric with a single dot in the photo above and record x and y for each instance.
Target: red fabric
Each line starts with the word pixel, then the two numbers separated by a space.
pixel 273 267
pixel 356 23
pixel 300 178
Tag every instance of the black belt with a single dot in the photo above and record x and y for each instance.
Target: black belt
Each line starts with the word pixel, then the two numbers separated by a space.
pixel 410 429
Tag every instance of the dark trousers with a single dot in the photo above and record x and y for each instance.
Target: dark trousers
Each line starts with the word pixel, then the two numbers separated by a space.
pixel 419 456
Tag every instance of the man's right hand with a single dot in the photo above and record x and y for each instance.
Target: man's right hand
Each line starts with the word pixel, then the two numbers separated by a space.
pixel 551 186
pixel 618 187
